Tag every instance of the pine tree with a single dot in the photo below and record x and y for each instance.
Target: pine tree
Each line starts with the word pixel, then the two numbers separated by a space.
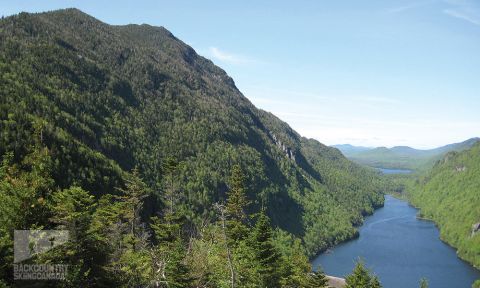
pixel 235 207
pixel 423 283
pixel 107 231
pixel 24 188
pixel 360 277
pixel 171 193
pixel 121 235
pixel 168 255
pixel 267 256
pixel 72 210
pixel 133 260
pixel 132 198
pixel 316 279
pixel 375 283
pixel 169 250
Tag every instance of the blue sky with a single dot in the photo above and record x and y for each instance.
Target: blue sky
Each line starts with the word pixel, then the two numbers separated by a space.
pixel 375 73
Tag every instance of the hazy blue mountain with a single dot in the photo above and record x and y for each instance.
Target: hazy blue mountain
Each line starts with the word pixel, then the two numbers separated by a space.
pixel 348 149
pixel 402 157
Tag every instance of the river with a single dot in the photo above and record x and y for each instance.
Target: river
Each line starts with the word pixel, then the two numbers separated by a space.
pixel 400 249
pixel 394 171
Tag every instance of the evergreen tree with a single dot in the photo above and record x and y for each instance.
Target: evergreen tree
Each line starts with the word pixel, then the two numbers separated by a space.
pixel 169 250
pixel 423 283
pixel 295 269
pixel 171 193
pixel 72 210
pixel 227 243
pixel 235 207
pixel 360 277
pixel 24 188
pixel 375 283
pixel 133 258
pixel 132 198
pixel 168 255
pixel 315 279
pixel 121 236
pixel 107 230
pixel 266 254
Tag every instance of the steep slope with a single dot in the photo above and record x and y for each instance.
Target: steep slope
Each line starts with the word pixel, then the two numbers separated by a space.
pixel 449 195
pixel 404 157
pixel 105 99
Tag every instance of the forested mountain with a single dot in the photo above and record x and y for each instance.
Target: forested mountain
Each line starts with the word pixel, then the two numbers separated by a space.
pixel 130 115
pixel 402 157
pixel 449 194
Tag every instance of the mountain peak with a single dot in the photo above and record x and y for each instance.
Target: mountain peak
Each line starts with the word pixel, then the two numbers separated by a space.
pixel 118 97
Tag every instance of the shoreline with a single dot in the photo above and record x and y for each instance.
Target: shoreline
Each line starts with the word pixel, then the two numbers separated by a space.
pixel 419 218
pixel 335 282
pixel 441 237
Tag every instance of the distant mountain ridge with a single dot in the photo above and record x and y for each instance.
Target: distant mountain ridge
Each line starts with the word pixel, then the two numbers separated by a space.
pixel 401 157
pixel 348 148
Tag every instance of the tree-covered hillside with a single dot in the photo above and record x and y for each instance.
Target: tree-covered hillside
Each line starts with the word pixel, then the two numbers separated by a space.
pixel 106 99
pixel 155 162
pixel 449 194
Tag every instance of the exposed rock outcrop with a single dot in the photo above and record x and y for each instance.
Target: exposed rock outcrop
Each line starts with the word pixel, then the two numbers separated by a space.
pixel 460 168
pixel 475 228
pixel 335 282
pixel 287 150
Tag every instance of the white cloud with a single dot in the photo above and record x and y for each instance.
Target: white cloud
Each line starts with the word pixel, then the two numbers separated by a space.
pixel 464 10
pixel 464 16
pixel 407 7
pixel 229 58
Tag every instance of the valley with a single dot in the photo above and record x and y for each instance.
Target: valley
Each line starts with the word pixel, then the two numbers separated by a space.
pixel 401 157
pixel 445 191
pixel 128 159
pixel 400 249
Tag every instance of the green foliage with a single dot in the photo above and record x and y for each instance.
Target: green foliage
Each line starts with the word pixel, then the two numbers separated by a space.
pixel 169 269
pixel 376 282
pixel 448 195
pixel 23 204
pixel 361 278
pixel 315 280
pixel 423 283
pixel 72 210
pixel 235 206
pixel 266 254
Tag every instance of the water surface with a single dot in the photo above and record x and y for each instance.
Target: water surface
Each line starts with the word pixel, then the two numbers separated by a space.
pixel 394 171
pixel 400 249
